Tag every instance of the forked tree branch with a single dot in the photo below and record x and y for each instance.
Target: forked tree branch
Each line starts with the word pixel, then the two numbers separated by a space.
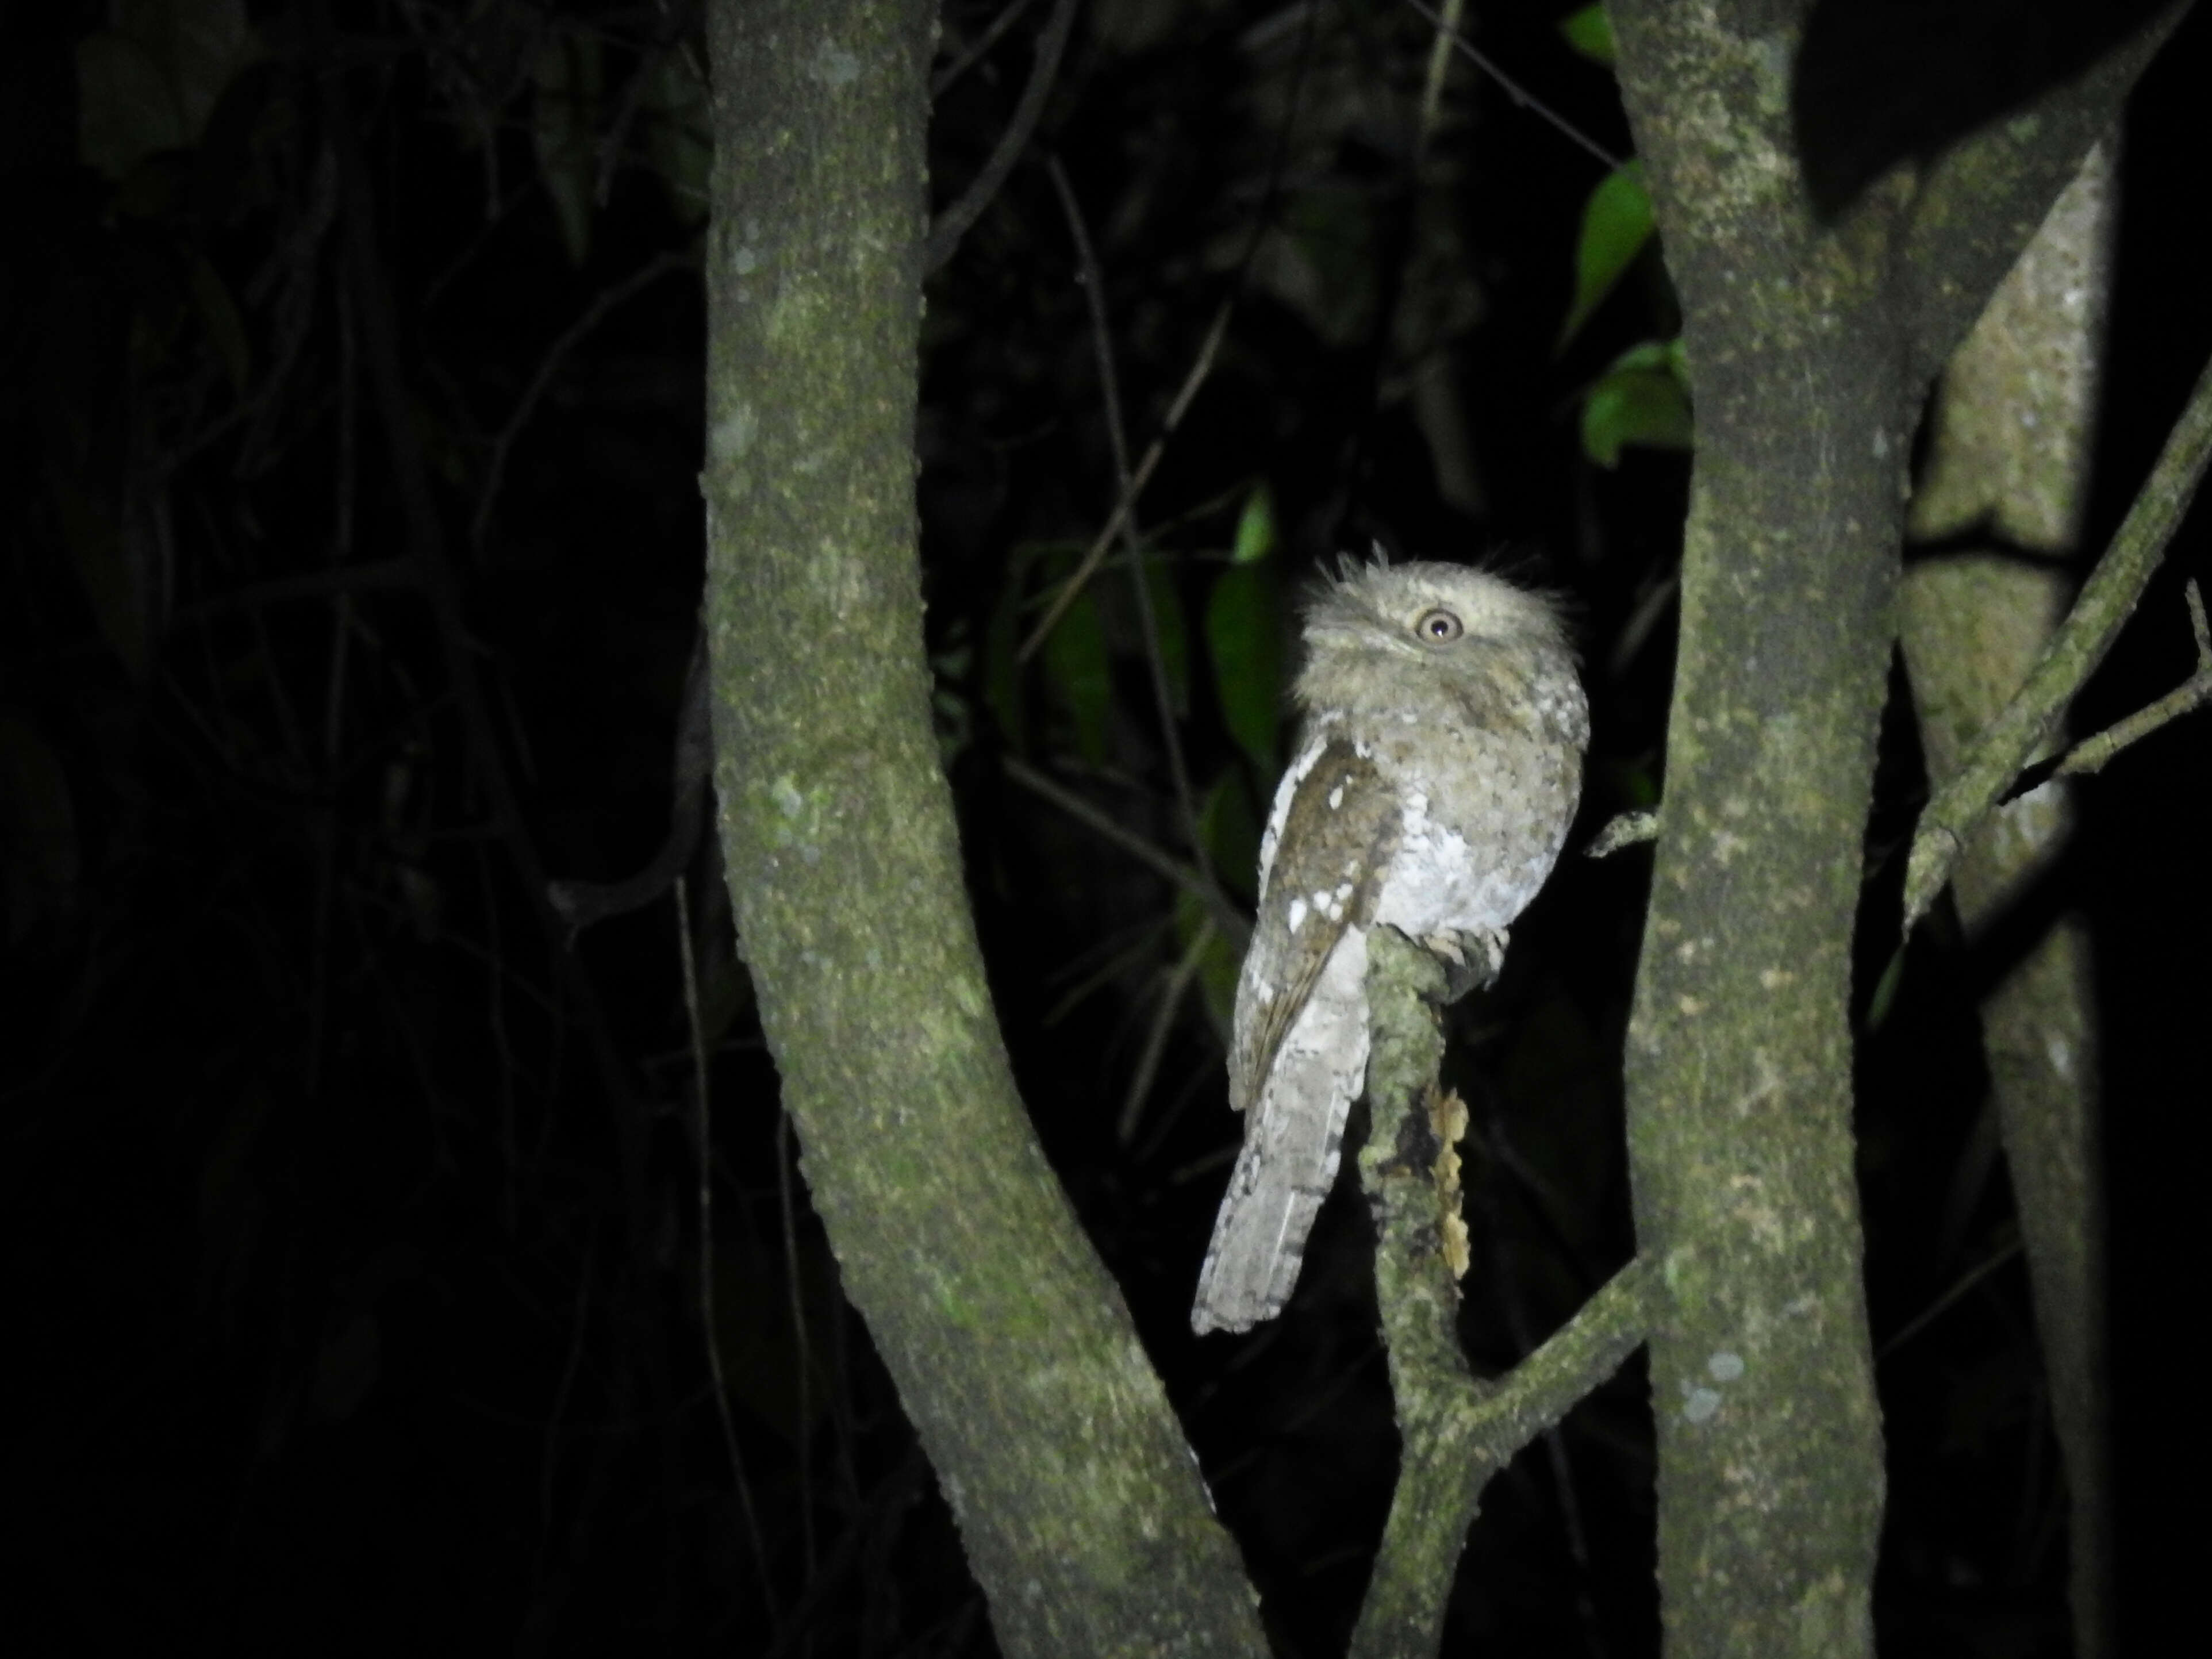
pixel 1455 1430
pixel 2108 600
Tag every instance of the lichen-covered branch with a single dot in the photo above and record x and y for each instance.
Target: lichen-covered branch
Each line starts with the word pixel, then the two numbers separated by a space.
pixel 1455 1430
pixel 1077 1501
pixel 2106 601
pixel 2009 445
pixel 1809 342
pixel 2093 754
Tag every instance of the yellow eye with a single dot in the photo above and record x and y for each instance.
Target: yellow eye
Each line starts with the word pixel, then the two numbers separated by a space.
pixel 1437 627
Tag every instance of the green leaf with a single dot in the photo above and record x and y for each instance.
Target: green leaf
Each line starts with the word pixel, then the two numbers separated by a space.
pixel 1217 964
pixel 1885 991
pixel 1075 668
pixel 1256 527
pixel 150 82
pixel 1230 830
pixel 678 145
pixel 1635 406
pixel 1175 638
pixel 1244 632
pixel 1616 224
pixel 1644 398
pixel 565 127
pixel 1589 31
pixel 1664 356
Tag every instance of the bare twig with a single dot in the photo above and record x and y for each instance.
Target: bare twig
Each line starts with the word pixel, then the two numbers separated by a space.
pixel 1432 85
pixel 953 223
pixel 593 315
pixel 1088 566
pixel 1519 94
pixel 709 1320
pixel 2106 601
pixel 581 903
pixel 2091 754
pixel 1936 1309
pixel 982 43
pixel 1102 344
pixel 1156 1040
pixel 579 1323
pixel 1231 923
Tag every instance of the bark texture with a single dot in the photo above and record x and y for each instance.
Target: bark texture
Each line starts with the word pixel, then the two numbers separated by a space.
pixel 1080 1506
pixel 2009 448
pixel 1809 345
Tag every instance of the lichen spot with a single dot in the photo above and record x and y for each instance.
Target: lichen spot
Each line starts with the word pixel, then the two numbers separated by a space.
pixel 733 434
pixel 1725 1366
pixel 788 801
pixel 834 66
pixel 1699 1403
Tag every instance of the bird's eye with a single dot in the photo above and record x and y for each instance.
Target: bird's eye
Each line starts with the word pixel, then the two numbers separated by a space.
pixel 1438 627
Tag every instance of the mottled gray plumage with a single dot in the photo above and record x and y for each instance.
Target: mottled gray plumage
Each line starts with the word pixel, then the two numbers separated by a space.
pixel 1440 765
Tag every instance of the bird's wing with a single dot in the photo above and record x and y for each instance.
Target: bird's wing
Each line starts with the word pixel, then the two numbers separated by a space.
pixel 1337 825
pixel 1300 1052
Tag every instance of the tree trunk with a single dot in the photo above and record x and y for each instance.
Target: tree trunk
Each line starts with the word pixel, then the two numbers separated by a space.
pixel 1080 1504
pixel 1810 344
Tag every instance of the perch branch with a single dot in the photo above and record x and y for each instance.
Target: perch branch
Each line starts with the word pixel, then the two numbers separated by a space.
pixel 1456 1430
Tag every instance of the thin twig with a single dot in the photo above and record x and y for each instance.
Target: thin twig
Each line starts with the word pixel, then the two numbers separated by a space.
pixel 1936 1309
pixel 1156 1040
pixel 953 223
pixel 586 902
pixel 2107 599
pixel 802 1361
pixel 709 1318
pixel 1432 85
pixel 593 315
pixel 2091 754
pixel 1519 94
pixel 1231 923
pixel 1202 366
pixel 579 1322
pixel 1096 554
pixel 1101 345
pixel 967 60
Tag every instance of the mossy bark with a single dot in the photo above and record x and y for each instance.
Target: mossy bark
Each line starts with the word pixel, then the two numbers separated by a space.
pixel 2008 449
pixel 1080 1504
pixel 1810 344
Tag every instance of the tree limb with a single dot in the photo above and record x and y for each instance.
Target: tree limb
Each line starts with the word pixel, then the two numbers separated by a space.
pixel 994 1316
pixel 956 221
pixel 2106 601
pixel 1455 1430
